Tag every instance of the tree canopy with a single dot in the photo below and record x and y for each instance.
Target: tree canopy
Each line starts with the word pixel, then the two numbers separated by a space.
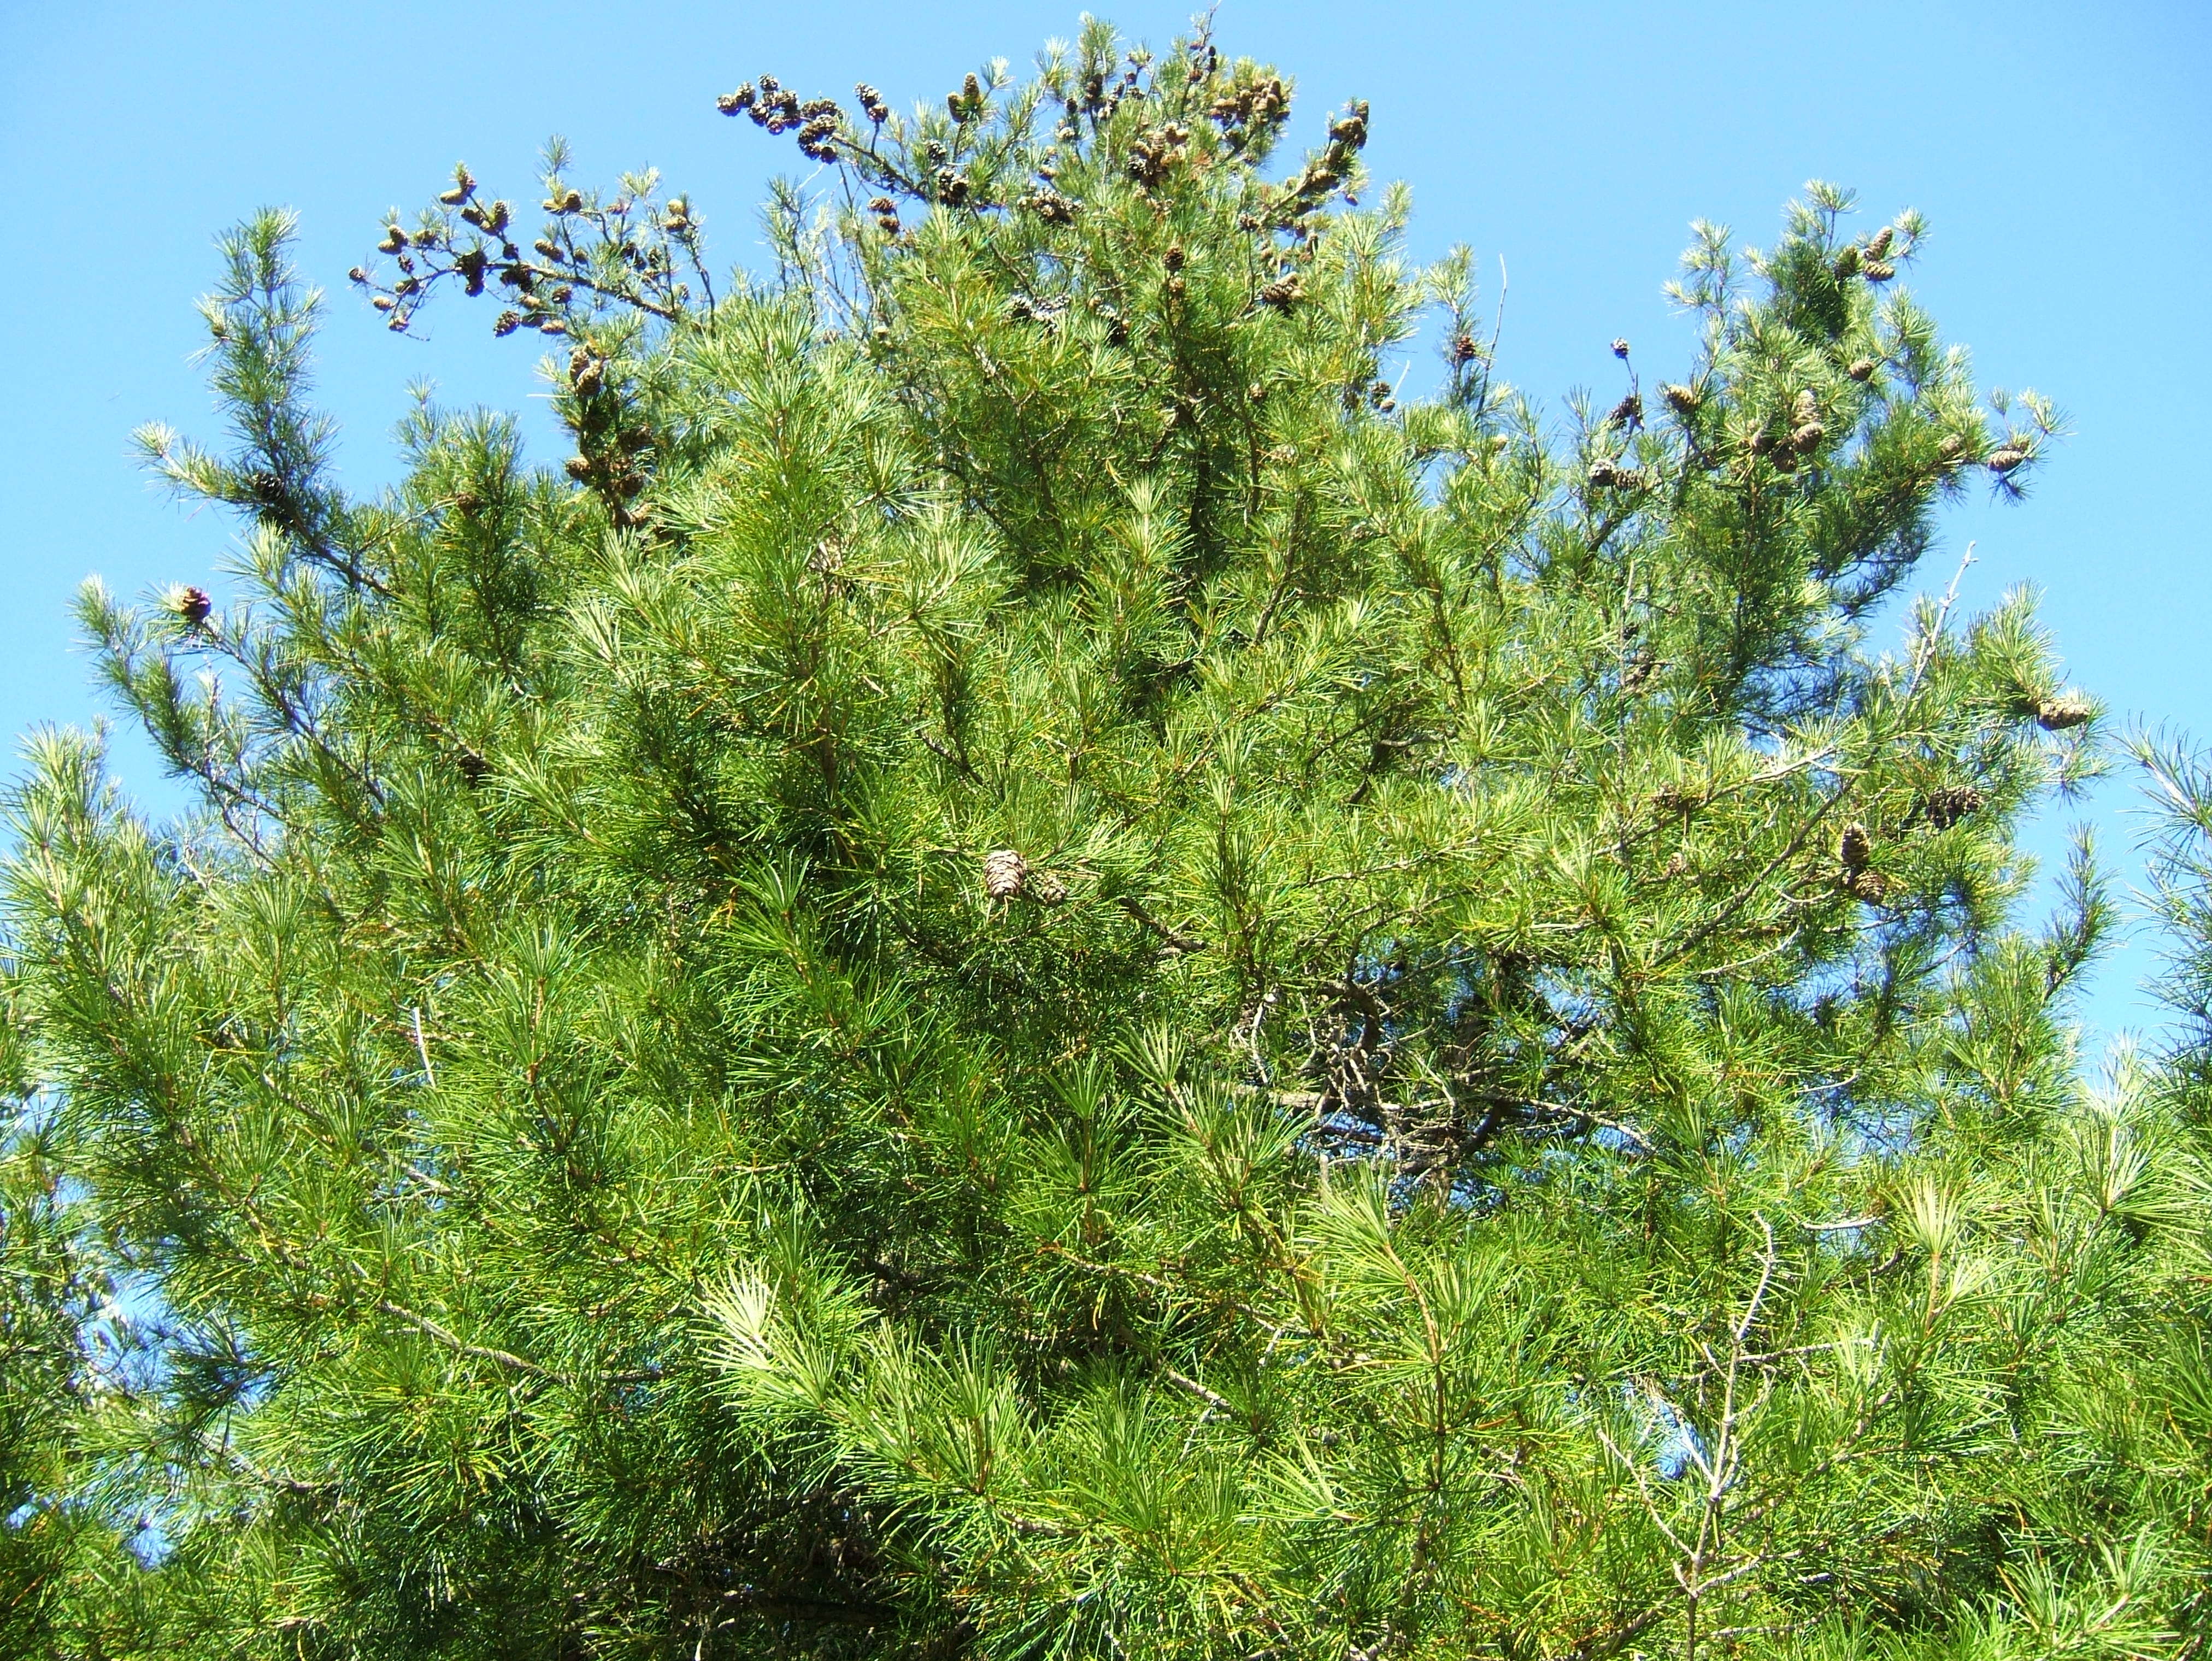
pixel 1031 969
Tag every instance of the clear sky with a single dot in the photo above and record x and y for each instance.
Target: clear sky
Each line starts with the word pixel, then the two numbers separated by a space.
pixel 2060 151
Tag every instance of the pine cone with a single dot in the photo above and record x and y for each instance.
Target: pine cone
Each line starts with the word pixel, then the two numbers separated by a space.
pixel 1847 263
pixel 1856 848
pixel 1861 369
pixel 2060 711
pixel 1463 349
pixel 1604 475
pixel 1878 270
pixel 191 603
pixel 1948 806
pixel 1870 887
pixel 2003 460
pixel 1050 206
pixel 1682 400
pixel 1284 292
pixel 1806 407
pixel 1877 245
pixel 1045 888
pixel 394 240
pixel 1806 439
pixel 1620 347
pixel 1952 448
pixel 1005 872
pixel 1627 415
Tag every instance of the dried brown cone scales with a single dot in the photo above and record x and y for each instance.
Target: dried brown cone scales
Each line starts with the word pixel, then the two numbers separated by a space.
pixel 1855 847
pixel 191 603
pixel 1005 872
pixel 2062 710
pixel 1948 806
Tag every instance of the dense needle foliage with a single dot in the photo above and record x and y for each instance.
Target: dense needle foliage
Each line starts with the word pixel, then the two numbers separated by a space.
pixel 1034 971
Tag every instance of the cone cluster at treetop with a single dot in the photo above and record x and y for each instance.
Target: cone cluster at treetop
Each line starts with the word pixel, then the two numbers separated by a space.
pixel 1029 970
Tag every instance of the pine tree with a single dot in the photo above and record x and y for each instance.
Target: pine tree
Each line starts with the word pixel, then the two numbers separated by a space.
pixel 1031 969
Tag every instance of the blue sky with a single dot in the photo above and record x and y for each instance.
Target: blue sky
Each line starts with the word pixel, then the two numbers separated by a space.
pixel 2060 152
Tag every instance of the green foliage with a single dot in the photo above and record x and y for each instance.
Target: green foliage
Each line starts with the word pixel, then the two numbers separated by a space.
pixel 1037 971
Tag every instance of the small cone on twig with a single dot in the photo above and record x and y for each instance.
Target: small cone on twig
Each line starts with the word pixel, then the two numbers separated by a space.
pixel 1870 887
pixel 1005 873
pixel 2062 710
pixel 1948 806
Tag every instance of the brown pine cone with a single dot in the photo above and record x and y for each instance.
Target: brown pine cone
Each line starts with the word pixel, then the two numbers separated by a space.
pixel 1948 806
pixel 2062 710
pixel 1005 872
